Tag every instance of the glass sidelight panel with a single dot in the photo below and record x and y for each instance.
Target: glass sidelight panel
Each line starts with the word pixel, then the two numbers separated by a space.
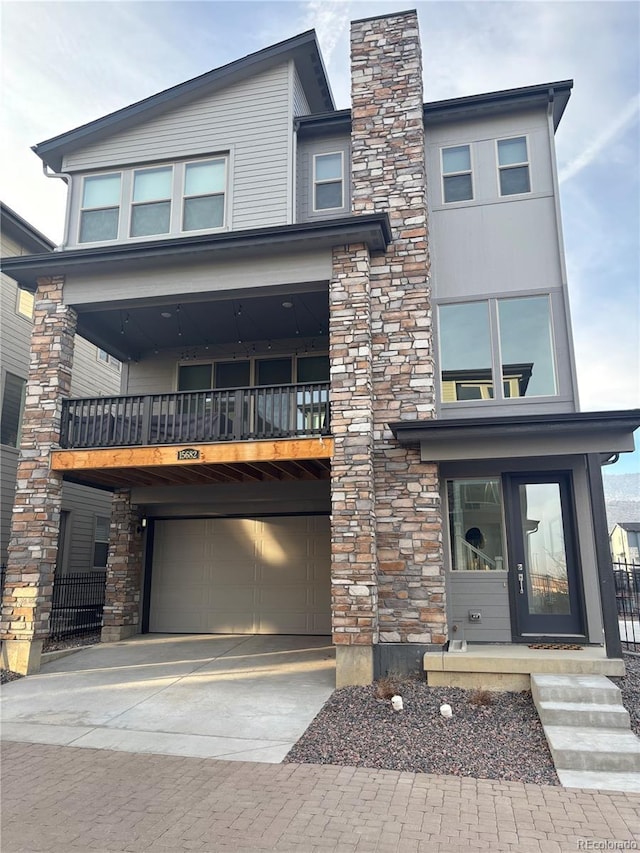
pixel 475 525
pixel 546 558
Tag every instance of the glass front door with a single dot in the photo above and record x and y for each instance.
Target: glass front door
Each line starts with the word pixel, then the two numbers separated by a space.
pixel 544 572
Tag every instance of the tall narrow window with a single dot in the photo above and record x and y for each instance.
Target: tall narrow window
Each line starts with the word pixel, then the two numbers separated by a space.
pixel 328 191
pixel 204 194
pixel 12 405
pixel 151 207
pixel 513 166
pixel 475 525
pixel 101 542
pixel 457 183
pixel 100 208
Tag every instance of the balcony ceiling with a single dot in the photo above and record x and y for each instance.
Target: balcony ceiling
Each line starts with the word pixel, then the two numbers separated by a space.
pixel 131 332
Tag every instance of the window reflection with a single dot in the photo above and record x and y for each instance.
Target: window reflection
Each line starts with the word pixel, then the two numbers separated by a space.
pixel 475 525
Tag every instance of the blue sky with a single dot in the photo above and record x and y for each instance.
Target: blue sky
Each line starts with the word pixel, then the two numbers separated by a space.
pixel 65 63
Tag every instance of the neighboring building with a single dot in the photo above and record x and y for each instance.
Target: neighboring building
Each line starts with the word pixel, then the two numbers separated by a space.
pixel 625 542
pixel 84 512
pixel 351 396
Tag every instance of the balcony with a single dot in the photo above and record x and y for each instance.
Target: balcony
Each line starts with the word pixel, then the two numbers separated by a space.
pixel 202 417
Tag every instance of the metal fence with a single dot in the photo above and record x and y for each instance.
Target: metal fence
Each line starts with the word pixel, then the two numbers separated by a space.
pixel 76 607
pixel 627 585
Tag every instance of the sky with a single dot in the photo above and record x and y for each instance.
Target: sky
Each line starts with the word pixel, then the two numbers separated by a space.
pixel 65 63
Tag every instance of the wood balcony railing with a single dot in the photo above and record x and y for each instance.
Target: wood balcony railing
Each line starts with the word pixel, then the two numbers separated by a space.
pixel 236 414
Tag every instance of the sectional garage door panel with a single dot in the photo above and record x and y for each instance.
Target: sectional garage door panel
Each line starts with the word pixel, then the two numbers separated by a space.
pixel 242 576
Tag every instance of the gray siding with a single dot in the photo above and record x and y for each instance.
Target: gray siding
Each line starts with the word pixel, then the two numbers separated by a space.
pixel 304 176
pixel 483 591
pixel 92 377
pixel 300 104
pixel 218 276
pixel 83 504
pixel 8 463
pixel 248 119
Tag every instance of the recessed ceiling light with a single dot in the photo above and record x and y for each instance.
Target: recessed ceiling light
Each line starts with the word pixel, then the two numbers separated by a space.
pixel 165 314
pixel 287 304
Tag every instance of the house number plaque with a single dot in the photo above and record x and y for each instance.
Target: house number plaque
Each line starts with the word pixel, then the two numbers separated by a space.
pixel 188 453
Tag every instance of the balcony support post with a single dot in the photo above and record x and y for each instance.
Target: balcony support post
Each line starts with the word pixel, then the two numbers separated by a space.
pixel 121 615
pixel 35 524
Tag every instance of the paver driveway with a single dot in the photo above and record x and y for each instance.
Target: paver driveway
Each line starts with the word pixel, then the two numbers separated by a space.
pixel 246 698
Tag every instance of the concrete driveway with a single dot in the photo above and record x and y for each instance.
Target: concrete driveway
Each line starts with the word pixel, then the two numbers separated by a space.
pixel 245 698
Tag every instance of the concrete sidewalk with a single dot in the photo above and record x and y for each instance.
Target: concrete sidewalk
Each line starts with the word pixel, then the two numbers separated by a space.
pixel 61 799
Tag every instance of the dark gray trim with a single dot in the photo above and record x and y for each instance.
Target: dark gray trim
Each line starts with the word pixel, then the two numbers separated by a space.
pixel 147 574
pixel 18 229
pixel 302 48
pixel 324 124
pixel 603 558
pixel 372 229
pixel 522 426
pixel 399 660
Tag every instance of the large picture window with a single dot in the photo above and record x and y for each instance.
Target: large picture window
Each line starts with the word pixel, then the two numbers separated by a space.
pixel 497 349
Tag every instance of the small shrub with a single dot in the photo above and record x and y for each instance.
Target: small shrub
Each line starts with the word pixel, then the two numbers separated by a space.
pixel 386 687
pixel 481 697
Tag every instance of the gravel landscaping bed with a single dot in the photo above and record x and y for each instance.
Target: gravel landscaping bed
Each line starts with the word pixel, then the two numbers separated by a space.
pixel 630 687
pixel 489 736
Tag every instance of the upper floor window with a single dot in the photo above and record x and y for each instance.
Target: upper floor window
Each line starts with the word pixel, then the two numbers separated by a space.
pixel 251 372
pixel 151 202
pixel 328 181
pixel 513 166
pixel 25 303
pixel 204 191
pixel 457 182
pixel 497 349
pixel 100 208
pixel 167 199
pixel 103 356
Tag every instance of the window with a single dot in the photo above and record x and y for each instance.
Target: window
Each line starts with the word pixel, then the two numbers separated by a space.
pixel 517 361
pixel 103 356
pixel 12 406
pixel 151 202
pixel 513 166
pixel 475 525
pixel 204 191
pixel 25 303
pixel 101 542
pixel 457 183
pixel 100 208
pixel 327 181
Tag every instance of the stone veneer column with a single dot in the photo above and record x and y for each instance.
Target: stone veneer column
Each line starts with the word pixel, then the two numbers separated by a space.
pixel 353 555
pixel 35 525
pixel 389 174
pixel 121 615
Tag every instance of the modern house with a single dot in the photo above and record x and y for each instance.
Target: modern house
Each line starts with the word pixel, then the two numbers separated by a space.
pixel 84 512
pixel 349 395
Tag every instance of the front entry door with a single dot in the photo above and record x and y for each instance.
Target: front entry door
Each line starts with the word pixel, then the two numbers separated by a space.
pixel 544 571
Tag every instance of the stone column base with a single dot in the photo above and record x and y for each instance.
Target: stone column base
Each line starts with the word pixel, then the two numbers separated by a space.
pixel 22 656
pixel 113 633
pixel 354 666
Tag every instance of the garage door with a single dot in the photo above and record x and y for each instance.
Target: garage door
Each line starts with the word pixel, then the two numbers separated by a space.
pixel 241 576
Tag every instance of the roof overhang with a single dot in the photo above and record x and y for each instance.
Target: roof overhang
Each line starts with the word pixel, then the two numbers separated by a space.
pixel 520 435
pixel 18 229
pixel 303 49
pixel 374 230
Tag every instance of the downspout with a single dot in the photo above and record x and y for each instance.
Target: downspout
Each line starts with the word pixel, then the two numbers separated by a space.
pixel 67 178
pixel 563 267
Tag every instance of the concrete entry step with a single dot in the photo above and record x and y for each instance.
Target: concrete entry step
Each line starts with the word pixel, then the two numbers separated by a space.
pixel 627 782
pixel 591 689
pixel 585 714
pixel 575 748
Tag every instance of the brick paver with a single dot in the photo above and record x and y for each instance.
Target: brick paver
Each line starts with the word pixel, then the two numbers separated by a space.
pixel 65 799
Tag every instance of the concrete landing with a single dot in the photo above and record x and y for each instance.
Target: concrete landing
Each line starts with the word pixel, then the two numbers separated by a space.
pixel 588 731
pixel 509 666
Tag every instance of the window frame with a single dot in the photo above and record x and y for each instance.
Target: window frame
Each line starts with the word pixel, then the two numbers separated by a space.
pixel 469 171
pixel 184 197
pixel 497 379
pixel 315 182
pixel 112 362
pixel 139 170
pixel 505 168
pixel 21 293
pixel 119 207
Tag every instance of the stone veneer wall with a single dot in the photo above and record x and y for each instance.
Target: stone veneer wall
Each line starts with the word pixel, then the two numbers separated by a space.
pixel 389 174
pixel 121 615
pixel 33 549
